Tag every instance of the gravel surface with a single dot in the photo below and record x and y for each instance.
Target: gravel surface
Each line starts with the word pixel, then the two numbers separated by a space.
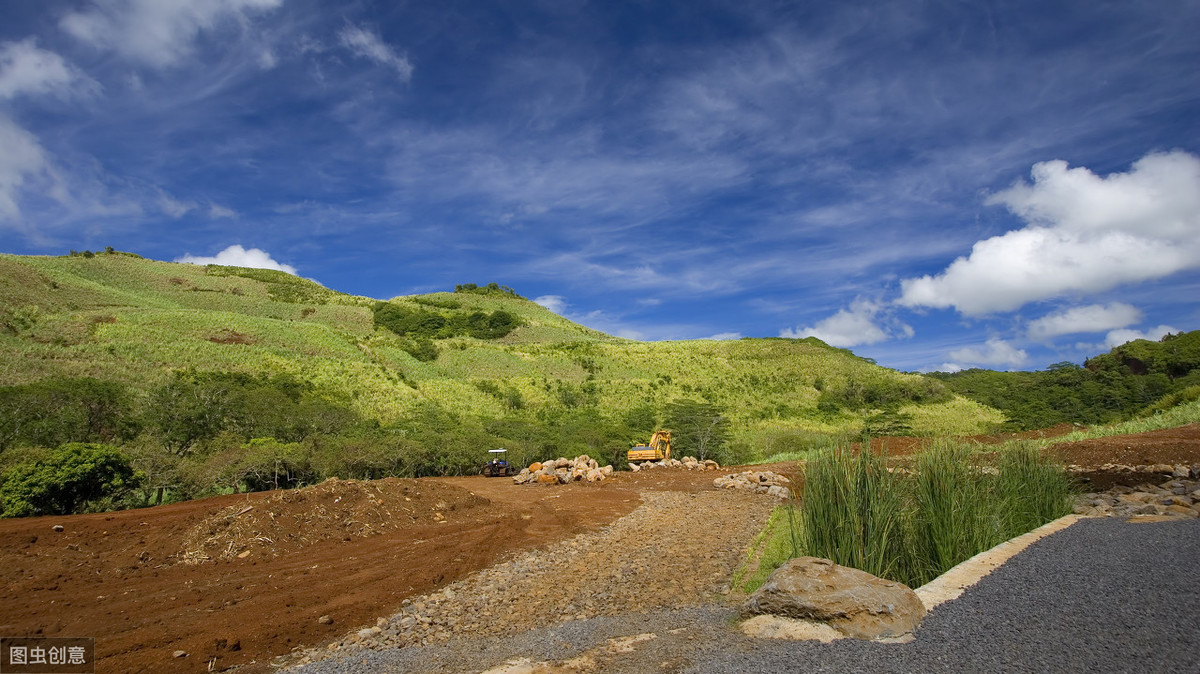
pixel 1104 595
pixel 677 549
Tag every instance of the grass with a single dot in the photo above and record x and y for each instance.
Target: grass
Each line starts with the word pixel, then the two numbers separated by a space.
pixel 775 544
pixel 1180 415
pixel 914 527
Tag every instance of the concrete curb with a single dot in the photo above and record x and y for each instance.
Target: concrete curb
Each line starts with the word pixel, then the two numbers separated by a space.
pixel 950 585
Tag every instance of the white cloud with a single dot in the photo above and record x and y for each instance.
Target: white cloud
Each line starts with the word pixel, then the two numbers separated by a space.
pixel 369 46
pixel 1084 234
pixel 236 256
pixel 219 211
pixel 948 367
pixel 26 68
pixel 723 336
pixel 1092 318
pixel 1119 337
pixel 994 352
pixel 555 303
pixel 172 206
pixel 159 33
pixel 862 323
pixel 22 160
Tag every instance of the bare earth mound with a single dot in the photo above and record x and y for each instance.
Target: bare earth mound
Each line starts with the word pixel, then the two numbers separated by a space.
pixel 286 521
pixel 1168 446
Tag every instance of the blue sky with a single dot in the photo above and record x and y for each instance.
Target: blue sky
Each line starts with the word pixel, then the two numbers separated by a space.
pixel 930 184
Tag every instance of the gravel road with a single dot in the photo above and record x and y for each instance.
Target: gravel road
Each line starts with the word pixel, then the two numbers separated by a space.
pixel 1104 595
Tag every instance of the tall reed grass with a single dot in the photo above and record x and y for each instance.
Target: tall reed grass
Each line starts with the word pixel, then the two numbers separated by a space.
pixel 912 526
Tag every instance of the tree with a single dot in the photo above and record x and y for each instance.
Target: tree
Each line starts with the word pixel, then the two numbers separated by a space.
pixel 73 475
pixel 51 412
pixel 699 428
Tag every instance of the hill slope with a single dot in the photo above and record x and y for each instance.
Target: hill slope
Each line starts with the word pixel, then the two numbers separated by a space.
pixel 1108 387
pixel 122 318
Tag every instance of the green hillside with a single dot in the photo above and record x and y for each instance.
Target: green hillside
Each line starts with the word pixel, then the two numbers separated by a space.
pixel 170 335
pixel 1113 386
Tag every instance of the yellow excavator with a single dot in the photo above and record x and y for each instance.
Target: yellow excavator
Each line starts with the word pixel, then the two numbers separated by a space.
pixel 658 449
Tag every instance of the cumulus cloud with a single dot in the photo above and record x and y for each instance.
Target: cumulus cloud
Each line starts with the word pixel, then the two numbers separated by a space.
pixel 863 323
pixel 28 69
pixel 1119 337
pixel 994 352
pixel 555 303
pixel 1084 233
pixel 368 45
pixel 158 33
pixel 236 256
pixel 1092 318
pixel 724 336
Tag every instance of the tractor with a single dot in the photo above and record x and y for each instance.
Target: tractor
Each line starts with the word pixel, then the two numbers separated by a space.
pixel 498 466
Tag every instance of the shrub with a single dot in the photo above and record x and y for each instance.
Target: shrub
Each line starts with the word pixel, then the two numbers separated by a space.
pixel 73 475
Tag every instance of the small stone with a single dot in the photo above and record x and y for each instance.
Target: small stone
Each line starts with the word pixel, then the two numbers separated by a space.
pixel 181 654
pixel 325 620
pixel 58 528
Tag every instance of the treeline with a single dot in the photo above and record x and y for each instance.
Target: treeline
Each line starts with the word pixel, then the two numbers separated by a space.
pixel 489 289
pixel 74 445
pixel 1110 387
pixel 420 323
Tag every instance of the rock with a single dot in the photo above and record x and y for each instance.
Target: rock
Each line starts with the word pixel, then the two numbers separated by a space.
pixel 709 464
pixel 325 620
pixel 547 479
pixel 853 602
pixel 780 627
pixel 181 654
pixel 1181 511
pixel 57 527
pixel 607 471
pixel 535 466
pixel 634 467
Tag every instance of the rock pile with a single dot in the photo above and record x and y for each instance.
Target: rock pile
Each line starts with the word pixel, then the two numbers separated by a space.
pixel 758 481
pixel 688 462
pixel 1178 470
pixel 582 468
pixel 1176 497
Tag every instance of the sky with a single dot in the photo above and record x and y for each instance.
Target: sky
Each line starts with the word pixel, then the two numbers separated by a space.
pixel 936 185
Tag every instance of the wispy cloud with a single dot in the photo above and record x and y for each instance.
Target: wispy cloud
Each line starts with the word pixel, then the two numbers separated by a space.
pixel 370 46
pixel 237 256
pixel 28 69
pixel 157 33
pixel 24 164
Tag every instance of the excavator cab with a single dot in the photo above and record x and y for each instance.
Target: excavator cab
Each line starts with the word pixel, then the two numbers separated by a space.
pixel 658 449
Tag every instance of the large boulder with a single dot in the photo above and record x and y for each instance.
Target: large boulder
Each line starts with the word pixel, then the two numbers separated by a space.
pixel 853 602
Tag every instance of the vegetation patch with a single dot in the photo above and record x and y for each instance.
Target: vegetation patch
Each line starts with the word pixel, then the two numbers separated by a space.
pixel 1107 388
pixel 912 526
pixel 419 323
